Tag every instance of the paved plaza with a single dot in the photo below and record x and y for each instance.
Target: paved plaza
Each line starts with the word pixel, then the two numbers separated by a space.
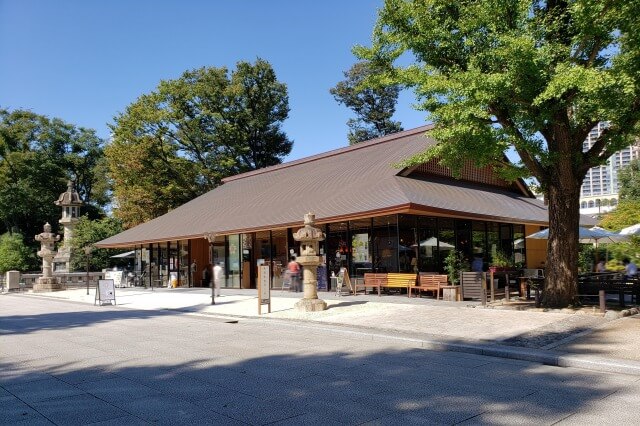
pixel 148 360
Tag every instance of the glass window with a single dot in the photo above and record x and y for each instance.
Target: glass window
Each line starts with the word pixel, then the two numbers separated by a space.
pixel 385 244
pixel 428 254
pixel 336 246
pixel 280 257
pixel 408 255
pixel 446 240
pixel 361 256
pixel 479 241
pixel 519 246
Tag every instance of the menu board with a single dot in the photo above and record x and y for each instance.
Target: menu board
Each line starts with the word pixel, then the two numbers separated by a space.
pixel 105 292
pixel 322 277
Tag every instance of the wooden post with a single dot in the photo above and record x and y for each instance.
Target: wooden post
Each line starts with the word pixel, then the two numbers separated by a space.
pixel 484 288
pixel 603 301
pixel 506 293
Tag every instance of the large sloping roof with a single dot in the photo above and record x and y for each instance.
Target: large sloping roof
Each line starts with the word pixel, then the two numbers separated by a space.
pixel 357 181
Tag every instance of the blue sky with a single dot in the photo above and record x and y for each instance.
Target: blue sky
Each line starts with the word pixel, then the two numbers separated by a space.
pixel 85 61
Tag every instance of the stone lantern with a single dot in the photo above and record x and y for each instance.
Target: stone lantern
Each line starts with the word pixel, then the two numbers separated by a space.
pixel 47 282
pixel 309 238
pixel 70 203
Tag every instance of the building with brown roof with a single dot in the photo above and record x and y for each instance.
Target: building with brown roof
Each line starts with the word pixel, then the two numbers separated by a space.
pixel 375 215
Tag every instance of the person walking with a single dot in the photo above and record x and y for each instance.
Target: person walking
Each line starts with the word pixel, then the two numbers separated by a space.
pixel 218 276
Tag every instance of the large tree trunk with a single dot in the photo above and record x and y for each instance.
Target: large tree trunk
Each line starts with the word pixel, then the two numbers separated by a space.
pixel 562 255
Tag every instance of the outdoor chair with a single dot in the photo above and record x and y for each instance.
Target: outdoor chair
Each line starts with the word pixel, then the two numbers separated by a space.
pixel 474 285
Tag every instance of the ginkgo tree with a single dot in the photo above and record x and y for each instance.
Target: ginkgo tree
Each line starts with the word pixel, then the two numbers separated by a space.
pixel 527 75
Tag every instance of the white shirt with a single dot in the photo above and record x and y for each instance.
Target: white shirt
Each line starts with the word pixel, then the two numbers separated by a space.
pixel 218 275
pixel 631 269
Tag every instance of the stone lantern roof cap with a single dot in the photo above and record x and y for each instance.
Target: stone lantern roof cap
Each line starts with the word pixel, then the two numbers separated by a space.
pixel 70 197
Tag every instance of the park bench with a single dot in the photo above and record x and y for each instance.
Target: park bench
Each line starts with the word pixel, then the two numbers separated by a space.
pixel 374 280
pixel 399 280
pixel 429 282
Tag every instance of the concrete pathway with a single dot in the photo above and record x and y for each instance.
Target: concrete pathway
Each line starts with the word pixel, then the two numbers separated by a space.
pixel 562 338
pixel 67 363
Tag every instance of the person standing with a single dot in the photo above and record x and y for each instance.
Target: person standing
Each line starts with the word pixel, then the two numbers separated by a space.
pixel 630 268
pixel 194 269
pixel 206 275
pixel 218 276
pixel 294 271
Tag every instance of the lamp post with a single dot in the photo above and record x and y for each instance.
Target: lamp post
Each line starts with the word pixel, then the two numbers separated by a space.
pixel 87 251
pixel 211 237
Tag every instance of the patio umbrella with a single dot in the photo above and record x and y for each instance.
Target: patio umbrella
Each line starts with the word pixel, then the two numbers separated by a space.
pixel 592 235
pixel 631 230
pixel 125 254
pixel 587 236
pixel 433 241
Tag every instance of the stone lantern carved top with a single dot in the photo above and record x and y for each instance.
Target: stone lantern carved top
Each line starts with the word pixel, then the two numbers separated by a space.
pixel 70 197
pixel 308 232
pixel 47 236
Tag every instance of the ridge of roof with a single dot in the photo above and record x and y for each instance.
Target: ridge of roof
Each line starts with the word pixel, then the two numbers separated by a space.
pixel 338 151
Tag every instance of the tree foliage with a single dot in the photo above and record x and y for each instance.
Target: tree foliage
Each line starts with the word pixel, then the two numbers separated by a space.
pixel 88 232
pixel 534 76
pixel 14 254
pixel 629 181
pixel 182 139
pixel 373 106
pixel 38 156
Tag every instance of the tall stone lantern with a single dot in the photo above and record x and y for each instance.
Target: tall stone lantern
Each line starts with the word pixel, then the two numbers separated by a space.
pixel 47 282
pixel 70 203
pixel 309 238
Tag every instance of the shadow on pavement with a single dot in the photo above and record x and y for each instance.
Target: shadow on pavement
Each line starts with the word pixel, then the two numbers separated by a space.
pixel 385 387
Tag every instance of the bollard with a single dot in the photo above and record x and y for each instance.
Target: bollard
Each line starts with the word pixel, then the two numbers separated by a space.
pixel 506 294
pixel 484 297
pixel 537 302
pixel 603 301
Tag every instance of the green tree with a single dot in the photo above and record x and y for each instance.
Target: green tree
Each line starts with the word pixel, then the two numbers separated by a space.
pixel 629 181
pixel 87 232
pixel 38 156
pixel 14 254
pixel 373 106
pixel 532 76
pixel 182 139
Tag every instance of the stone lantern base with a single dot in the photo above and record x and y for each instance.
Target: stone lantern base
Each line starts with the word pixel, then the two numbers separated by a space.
pixel 311 305
pixel 47 284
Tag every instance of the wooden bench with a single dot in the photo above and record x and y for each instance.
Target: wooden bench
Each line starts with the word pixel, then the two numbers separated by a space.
pixel 400 280
pixel 429 282
pixel 374 280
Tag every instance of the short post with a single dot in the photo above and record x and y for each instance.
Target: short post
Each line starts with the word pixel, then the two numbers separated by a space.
pixel 506 293
pixel 87 251
pixel 603 301
pixel 211 237
pixel 537 298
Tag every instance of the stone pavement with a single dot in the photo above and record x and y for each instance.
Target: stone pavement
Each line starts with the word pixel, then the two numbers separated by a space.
pixel 561 338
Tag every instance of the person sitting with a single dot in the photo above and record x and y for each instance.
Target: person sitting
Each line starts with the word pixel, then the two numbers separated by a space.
pixel 600 267
pixel 630 268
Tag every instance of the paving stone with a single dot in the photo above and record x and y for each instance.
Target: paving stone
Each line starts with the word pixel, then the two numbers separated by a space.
pixel 117 389
pixel 40 390
pixel 77 409
pixel 14 411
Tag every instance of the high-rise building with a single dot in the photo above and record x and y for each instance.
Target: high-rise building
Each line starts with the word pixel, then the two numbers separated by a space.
pixel 599 192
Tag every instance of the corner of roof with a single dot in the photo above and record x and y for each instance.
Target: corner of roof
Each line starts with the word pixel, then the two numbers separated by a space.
pixel 339 151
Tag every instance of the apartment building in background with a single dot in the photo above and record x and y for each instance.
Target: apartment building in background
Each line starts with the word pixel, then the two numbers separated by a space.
pixel 599 192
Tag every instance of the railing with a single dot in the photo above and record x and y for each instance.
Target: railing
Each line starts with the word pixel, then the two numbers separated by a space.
pixel 68 279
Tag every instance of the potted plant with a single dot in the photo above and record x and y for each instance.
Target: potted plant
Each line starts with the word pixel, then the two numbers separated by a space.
pixel 499 261
pixel 455 263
